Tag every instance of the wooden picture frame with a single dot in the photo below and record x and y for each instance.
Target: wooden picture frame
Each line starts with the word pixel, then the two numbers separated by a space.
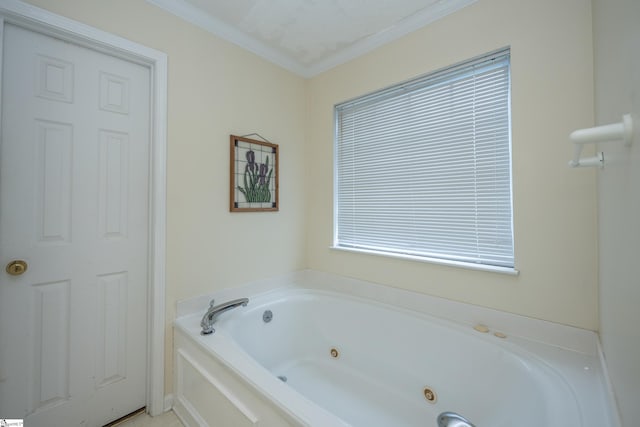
pixel 254 175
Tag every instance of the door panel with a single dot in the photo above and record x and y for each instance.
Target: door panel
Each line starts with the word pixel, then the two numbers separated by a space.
pixel 74 205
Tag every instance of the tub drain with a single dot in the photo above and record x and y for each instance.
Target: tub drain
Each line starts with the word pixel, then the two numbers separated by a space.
pixel 282 378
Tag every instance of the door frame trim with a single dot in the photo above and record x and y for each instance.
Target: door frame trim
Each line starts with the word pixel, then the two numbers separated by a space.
pixel 28 16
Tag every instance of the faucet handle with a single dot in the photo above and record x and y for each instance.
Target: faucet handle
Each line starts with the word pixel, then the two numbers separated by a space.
pixel 212 303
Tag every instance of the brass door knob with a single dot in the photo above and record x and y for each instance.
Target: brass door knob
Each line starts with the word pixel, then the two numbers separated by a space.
pixel 16 267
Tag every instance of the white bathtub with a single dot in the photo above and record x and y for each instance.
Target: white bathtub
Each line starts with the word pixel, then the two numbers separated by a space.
pixel 285 371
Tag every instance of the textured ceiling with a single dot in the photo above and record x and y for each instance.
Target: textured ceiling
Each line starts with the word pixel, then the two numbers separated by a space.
pixel 310 36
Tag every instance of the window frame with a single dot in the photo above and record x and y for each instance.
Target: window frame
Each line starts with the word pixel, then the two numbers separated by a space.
pixel 428 79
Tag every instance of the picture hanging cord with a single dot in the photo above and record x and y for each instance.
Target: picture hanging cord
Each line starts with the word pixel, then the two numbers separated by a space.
pixel 258 135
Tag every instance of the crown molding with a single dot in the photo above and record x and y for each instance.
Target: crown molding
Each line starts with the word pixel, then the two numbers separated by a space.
pixel 196 16
pixel 400 29
pixel 183 9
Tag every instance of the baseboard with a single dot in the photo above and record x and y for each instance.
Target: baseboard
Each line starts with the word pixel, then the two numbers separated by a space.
pixel 168 402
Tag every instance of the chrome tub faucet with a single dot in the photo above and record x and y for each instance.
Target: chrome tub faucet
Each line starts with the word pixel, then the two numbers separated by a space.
pixel 451 419
pixel 214 311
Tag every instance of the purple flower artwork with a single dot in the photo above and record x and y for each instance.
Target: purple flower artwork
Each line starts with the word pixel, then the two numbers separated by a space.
pixel 253 175
pixel 256 180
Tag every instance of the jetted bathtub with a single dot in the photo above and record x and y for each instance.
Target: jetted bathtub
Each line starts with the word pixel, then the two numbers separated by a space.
pixel 313 354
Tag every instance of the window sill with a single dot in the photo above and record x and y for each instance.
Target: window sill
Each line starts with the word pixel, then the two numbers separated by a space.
pixel 470 266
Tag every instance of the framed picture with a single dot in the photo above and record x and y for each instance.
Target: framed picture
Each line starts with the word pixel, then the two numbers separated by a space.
pixel 254 175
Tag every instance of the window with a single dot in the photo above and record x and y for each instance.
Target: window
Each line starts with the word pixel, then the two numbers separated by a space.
pixel 423 169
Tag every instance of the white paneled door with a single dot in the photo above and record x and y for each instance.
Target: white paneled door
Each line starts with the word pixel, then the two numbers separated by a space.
pixel 74 176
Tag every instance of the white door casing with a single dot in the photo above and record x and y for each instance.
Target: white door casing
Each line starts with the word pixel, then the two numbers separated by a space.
pixel 57 293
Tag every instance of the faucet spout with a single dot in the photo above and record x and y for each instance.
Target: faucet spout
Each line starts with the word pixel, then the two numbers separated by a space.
pixel 451 419
pixel 214 311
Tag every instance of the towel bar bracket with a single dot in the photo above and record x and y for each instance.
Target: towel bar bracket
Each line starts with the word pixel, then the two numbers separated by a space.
pixel 622 131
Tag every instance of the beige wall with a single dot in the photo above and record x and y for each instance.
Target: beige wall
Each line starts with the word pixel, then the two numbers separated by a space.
pixel 617 54
pixel 215 89
pixel 554 207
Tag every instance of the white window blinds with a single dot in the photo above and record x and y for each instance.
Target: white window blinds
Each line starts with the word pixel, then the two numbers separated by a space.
pixel 424 168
